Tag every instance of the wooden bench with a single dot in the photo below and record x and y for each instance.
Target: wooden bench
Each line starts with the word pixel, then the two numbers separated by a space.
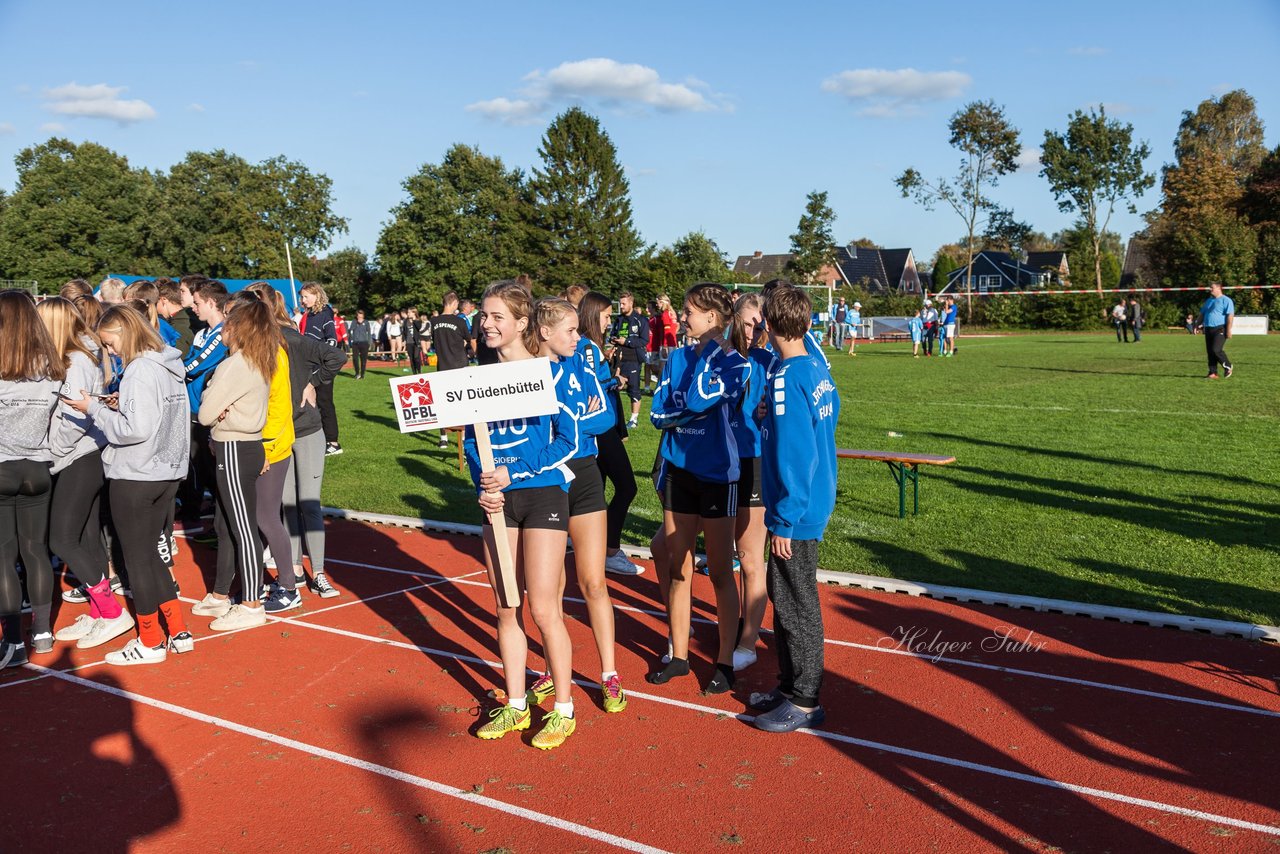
pixel 904 467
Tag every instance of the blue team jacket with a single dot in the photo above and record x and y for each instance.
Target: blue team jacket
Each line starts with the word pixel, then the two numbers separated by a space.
pixel 742 420
pixel 798 449
pixel 200 364
pixel 597 380
pixel 692 406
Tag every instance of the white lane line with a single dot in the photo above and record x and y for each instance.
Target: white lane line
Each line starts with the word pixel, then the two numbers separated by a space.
pixel 1012 671
pixel 412 779
pixel 457 578
pixel 861 742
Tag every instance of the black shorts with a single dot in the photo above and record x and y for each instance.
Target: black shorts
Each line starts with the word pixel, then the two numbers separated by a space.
pixel 750 492
pixel 586 492
pixel 536 507
pixel 631 371
pixel 683 492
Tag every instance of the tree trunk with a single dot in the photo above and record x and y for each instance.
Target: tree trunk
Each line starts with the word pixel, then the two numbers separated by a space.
pixel 1097 263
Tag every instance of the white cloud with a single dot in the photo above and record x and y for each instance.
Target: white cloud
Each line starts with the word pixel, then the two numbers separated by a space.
pixel 97 102
pixel 195 108
pixel 1028 159
pixel 53 127
pixel 1118 108
pixel 6 128
pixel 1088 51
pixel 599 80
pixel 895 93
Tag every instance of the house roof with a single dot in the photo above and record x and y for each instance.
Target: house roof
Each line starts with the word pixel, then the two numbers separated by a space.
pixel 1137 263
pixel 762 268
pixel 1051 260
pixel 895 263
pixel 857 265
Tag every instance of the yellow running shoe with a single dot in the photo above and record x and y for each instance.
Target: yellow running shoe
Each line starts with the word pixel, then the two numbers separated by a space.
pixel 542 688
pixel 556 730
pixel 615 699
pixel 505 719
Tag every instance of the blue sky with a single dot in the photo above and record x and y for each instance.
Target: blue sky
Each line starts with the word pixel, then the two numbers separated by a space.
pixel 724 115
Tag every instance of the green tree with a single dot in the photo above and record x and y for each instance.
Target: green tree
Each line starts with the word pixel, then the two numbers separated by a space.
pixel 224 217
pixel 77 210
pixel 582 227
pixel 673 269
pixel 812 246
pixel 346 276
pixel 1261 205
pixel 463 225
pixel 1093 167
pixel 989 147
pixel 943 265
pixel 1226 129
pixel 1078 243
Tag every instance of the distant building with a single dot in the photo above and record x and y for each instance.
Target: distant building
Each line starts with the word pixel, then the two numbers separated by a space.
pixel 1138 271
pixel 877 270
pixel 1000 271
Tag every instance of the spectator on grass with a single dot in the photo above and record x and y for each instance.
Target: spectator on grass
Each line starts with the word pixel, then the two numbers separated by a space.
pixel 852 321
pixel 916 327
pixel 1136 318
pixel 362 335
pixel 949 328
pixel 799 482
pixel 835 324
pixel 1217 316
pixel 1119 320
pixel 451 338
pixel 1190 324
pixel 630 337
pixel 929 317
pixel 318 323
pixel 412 334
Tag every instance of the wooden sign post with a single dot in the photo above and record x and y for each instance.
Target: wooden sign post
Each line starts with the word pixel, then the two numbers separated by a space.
pixel 476 397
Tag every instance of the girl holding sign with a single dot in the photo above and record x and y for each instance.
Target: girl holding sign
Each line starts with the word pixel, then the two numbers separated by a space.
pixel 529 486
pixel 701 384
pixel 578 387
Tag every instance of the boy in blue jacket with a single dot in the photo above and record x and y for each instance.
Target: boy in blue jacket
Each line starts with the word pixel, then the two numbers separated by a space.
pixel 798 472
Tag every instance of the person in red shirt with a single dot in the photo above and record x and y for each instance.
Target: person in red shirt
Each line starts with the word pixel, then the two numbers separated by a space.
pixel 670 328
pixel 652 372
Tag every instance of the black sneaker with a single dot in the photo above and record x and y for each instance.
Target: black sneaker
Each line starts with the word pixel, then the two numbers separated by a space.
pixel 76 596
pixel 282 600
pixel 12 654
pixel 332 449
pixel 208 538
pixel 117 586
pixel 321 587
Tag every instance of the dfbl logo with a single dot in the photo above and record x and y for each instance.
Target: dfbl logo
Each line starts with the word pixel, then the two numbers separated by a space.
pixel 415 394
pixel 416 403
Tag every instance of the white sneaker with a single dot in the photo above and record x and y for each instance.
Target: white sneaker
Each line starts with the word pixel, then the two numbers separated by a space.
pixel 620 565
pixel 81 627
pixel 136 652
pixel 743 658
pixel 104 630
pixel 633 423
pixel 182 642
pixel 211 606
pixel 240 617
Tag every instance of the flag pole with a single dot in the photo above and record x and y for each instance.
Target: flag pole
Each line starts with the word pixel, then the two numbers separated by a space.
pixel 293 285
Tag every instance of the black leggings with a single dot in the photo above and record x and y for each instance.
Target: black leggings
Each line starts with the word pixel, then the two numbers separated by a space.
pixel 75 525
pixel 328 415
pixel 138 510
pixel 360 358
pixel 615 467
pixel 236 522
pixel 24 528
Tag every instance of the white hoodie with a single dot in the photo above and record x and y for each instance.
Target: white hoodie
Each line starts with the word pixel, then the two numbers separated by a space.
pixel 26 408
pixel 74 435
pixel 150 432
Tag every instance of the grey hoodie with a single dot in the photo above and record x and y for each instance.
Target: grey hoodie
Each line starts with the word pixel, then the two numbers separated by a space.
pixel 74 435
pixel 26 408
pixel 150 433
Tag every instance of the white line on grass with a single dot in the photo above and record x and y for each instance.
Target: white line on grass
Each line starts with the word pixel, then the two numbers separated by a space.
pixel 860 742
pixel 1012 671
pixel 1106 411
pixel 364 765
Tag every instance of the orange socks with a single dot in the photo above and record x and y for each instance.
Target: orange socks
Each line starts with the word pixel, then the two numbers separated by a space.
pixel 173 616
pixel 149 630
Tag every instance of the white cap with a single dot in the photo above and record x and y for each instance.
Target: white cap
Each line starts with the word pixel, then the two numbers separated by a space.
pixel 857 305
pixel 928 302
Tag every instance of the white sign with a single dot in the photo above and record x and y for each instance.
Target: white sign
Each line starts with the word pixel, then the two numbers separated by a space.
pixel 521 389
pixel 1249 324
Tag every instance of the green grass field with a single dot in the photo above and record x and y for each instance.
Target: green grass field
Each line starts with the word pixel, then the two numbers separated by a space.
pixel 1086 470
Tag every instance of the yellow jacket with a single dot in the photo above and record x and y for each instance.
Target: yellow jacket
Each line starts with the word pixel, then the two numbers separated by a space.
pixel 277 433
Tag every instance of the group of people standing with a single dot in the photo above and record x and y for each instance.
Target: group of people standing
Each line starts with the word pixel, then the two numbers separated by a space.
pixel 1127 316
pixel 112 437
pixel 747 411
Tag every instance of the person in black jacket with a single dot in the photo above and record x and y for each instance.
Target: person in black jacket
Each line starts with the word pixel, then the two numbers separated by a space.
pixel 361 334
pixel 412 336
pixel 631 337
pixel 317 322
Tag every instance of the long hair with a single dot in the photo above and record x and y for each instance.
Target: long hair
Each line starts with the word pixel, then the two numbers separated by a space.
pixel 251 330
pixel 589 310
pixel 550 311
pixel 67 329
pixel 738 332
pixel 26 351
pixel 275 300
pixel 81 295
pixel 136 335
pixel 322 298
pixel 519 301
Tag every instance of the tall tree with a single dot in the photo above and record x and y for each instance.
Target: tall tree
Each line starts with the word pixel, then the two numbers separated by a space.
pixel 346 276
pixel 989 147
pixel 693 258
pixel 223 216
pixel 463 225
pixel 1261 204
pixel 812 246
pixel 1200 232
pixel 583 232
pixel 77 210
pixel 1093 167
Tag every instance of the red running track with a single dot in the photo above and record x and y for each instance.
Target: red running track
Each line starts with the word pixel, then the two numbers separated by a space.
pixel 348 725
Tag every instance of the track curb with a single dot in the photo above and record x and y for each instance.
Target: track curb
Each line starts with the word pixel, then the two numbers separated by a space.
pixel 941 592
